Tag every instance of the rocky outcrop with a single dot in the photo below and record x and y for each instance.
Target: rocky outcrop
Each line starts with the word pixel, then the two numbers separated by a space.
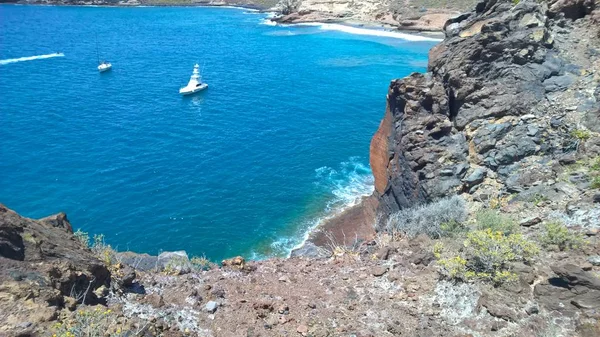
pixel 572 290
pixel 414 15
pixel 502 97
pixel 43 270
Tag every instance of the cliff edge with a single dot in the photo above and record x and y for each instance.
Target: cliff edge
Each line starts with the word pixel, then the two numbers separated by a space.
pixel 510 92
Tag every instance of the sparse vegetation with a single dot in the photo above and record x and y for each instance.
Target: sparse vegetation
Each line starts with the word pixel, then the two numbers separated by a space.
pixel 100 322
pixel 595 182
pixel 82 237
pixel 176 265
pixel 338 249
pixel 581 134
pixel 495 221
pixel 595 164
pixel 428 219
pixel 557 234
pixel 201 263
pixel 487 256
pixel 98 246
pixel 453 228
pixel 29 238
pixel 438 248
pixel 103 250
pixel 538 199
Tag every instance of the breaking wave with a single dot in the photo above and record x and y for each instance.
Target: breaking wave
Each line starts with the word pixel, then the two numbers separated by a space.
pixel 369 32
pixel 345 186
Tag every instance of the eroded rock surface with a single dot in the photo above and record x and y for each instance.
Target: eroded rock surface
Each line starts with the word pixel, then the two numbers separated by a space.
pixel 504 95
pixel 43 269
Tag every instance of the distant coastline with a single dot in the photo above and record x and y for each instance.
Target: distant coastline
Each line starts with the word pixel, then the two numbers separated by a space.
pixel 246 6
pixel 427 28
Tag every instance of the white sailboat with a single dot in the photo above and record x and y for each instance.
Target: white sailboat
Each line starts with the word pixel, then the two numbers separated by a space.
pixel 195 84
pixel 104 65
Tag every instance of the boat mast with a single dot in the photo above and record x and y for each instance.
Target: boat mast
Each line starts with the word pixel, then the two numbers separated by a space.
pixel 97 52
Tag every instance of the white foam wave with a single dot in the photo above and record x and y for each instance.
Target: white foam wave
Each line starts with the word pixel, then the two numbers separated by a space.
pixel 30 58
pixel 349 185
pixel 268 22
pixel 235 7
pixel 369 32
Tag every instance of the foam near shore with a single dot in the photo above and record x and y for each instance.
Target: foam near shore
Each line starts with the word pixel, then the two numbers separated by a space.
pixel 356 30
pixel 369 31
pixel 349 185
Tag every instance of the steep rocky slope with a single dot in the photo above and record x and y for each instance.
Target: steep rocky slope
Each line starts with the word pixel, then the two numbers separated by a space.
pixel 511 94
pixel 383 288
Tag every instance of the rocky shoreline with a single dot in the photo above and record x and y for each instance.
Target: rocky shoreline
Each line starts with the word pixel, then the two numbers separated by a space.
pixel 424 24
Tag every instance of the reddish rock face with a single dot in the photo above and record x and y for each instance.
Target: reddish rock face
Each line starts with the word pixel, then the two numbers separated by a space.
pixel 379 158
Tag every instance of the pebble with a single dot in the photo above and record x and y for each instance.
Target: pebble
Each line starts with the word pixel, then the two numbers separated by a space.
pixel 379 270
pixel 303 329
pixel 383 253
pixel 530 221
pixel 211 306
pixel 592 232
pixel 594 260
pixel 587 266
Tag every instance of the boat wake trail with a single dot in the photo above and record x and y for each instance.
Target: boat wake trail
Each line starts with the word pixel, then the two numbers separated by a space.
pixel 30 58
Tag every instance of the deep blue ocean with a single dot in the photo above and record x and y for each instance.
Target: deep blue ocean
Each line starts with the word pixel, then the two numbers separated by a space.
pixel 278 141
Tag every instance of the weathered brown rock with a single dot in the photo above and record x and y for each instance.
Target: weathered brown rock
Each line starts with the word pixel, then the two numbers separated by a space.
pixel 42 263
pixel 572 290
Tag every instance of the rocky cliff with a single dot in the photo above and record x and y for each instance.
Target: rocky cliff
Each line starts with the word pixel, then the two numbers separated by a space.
pixel 511 91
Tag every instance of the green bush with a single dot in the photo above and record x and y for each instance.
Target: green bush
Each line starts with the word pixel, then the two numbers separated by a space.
pixel 201 263
pixel 538 198
pixel 595 164
pixel 581 134
pixel 557 234
pixel 82 237
pixel 453 228
pixel 595 182
pixel 496 221
pixel 103 250
pixel 487 256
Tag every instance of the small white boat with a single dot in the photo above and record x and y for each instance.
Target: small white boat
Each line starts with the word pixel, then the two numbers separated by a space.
pixel 104 66
pixel 195 84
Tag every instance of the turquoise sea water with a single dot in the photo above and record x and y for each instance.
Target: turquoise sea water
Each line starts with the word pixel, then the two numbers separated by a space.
pixel 278 141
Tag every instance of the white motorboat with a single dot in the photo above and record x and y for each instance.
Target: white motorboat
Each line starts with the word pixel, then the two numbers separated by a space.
pixel 104 66
pixel 195 84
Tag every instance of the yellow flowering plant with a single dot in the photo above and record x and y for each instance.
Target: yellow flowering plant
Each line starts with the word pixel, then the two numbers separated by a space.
pixel 487 256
